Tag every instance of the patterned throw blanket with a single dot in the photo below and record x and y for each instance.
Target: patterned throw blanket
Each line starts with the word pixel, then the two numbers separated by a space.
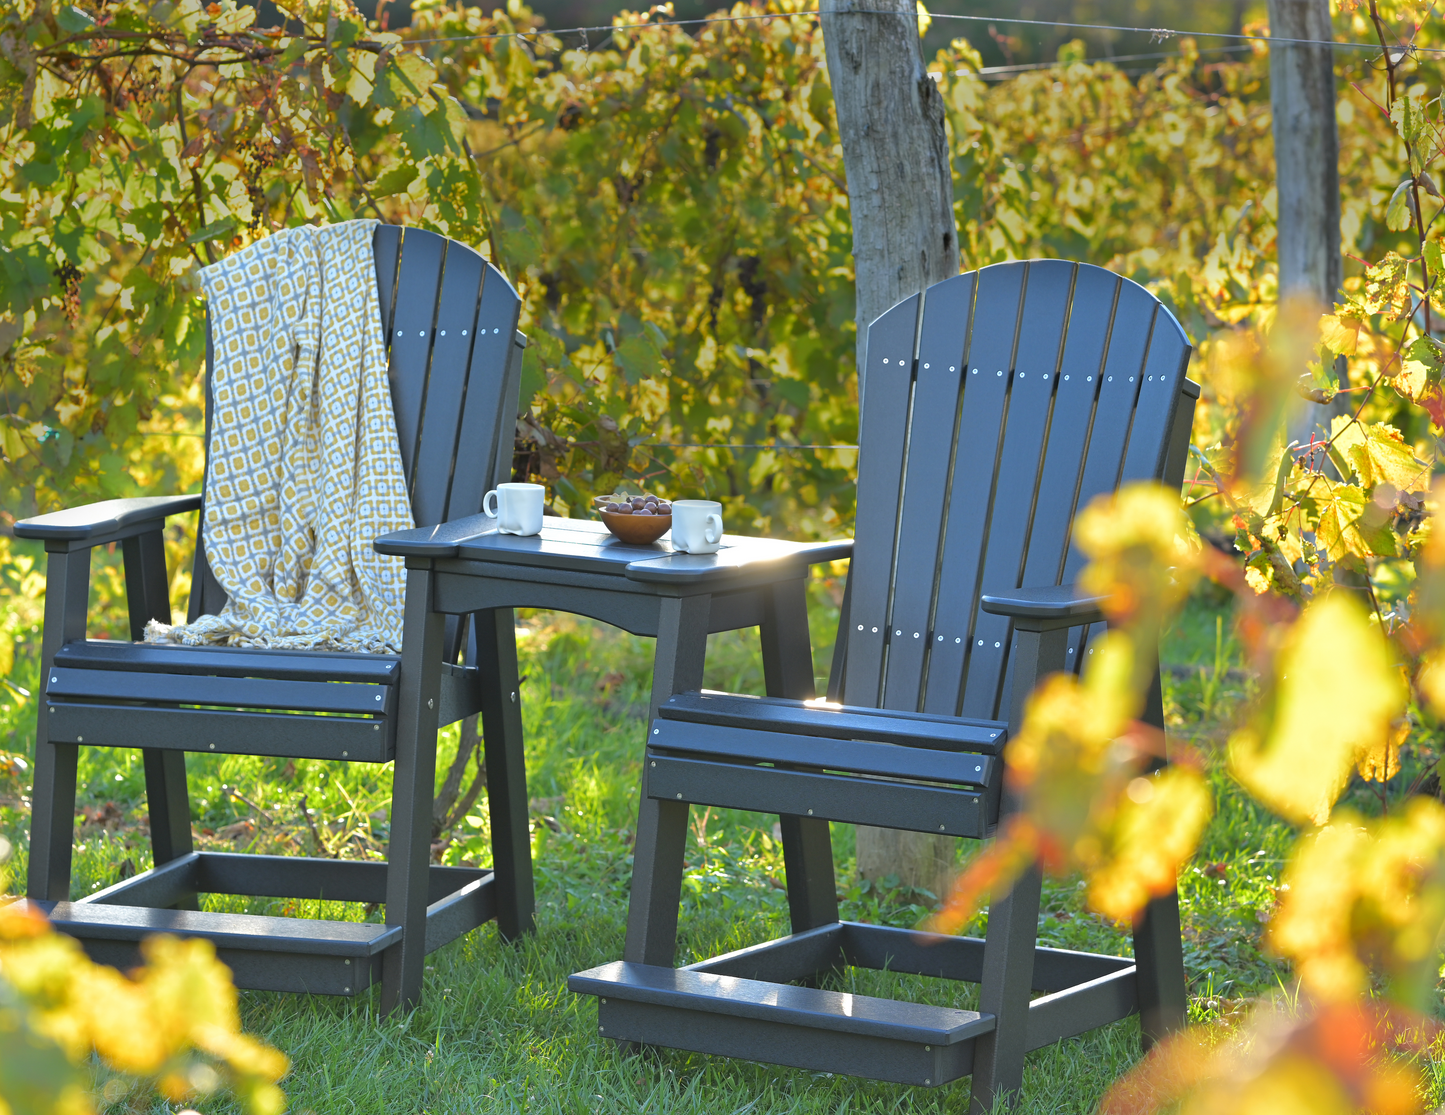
pixel 303 468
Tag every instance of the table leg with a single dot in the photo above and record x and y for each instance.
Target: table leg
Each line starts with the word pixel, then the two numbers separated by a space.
pixel 408 854
pixel 788 672
pixel 662 825
pixel 502 744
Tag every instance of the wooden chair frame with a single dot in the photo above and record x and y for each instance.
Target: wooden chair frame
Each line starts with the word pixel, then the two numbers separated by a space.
pixel 449 319
pixel 1061 382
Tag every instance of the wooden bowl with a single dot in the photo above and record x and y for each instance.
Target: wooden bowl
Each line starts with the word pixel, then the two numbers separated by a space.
pixel 639 530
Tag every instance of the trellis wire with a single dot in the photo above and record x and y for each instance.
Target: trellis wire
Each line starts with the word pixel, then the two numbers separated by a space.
pixel 1159 34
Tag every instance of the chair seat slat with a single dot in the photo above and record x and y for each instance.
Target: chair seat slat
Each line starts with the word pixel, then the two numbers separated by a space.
pixel 908 729
pixel 191 689
pixel 855 756
pixel 238 662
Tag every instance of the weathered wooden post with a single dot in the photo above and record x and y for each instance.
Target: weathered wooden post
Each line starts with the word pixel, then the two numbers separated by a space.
pixel 900 196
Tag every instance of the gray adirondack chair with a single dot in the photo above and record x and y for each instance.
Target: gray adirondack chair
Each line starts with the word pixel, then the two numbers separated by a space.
pixel 454 365
pixel 996 404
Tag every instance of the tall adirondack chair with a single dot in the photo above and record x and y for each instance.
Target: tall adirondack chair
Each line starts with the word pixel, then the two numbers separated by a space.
pixel 450 320
pixel 996 404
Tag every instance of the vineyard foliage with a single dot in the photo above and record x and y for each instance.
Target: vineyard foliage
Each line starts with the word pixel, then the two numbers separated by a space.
pixel 671 206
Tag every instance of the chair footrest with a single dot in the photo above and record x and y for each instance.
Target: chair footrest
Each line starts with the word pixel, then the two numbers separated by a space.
pixel 268 953
pixel 807 1027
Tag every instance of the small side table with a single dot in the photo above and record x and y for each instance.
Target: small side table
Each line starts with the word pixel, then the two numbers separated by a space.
pixel 467 567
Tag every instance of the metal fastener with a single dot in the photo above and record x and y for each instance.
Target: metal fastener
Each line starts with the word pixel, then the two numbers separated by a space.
pixel 514 696
pixel 213 747
pixel 928 1049
pixel 654 764
pixel 657 731
pixel 810 813
pixel 679 798
pixel 927 1080
pixel 378 696
pixel 430 703
pixel 348 964
pixel 81 739
pixel 604 1002
pixel 601 1030
pixel 54 679
pixel 941 828
pixel 344 754
pixel 346 990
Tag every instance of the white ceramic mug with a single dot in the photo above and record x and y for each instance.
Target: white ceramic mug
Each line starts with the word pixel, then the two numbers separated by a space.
pixel 516 507
pixel 696 526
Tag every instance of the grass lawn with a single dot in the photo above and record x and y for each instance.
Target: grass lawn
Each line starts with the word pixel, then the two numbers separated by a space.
pixel 499 1031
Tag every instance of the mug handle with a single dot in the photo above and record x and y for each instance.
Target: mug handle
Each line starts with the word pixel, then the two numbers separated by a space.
pixel 712 529
pixel 493 497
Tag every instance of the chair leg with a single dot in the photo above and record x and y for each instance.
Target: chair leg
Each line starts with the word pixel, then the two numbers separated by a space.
pixel 659 847
pixel 1008 969
pixel 147 594
pixel 52 813
pixel 808 862
pixel 52 818
pixel 169 805
pixel 657 865
pixel 502 748
pixel 408 856
pixel 788 672
pixel 1159 958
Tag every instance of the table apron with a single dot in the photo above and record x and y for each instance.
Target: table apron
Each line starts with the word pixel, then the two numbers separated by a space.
pixel 624 607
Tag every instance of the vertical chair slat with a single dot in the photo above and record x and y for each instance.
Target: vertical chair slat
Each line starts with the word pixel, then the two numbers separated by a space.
pixel 1046 302
pixel 1158 397
pixel 446 386
pixel 980 431
pixel 419 274
pixel 881 439
pixel 483 425
pixel 386 248
pixel 925 487
pixel 1074 393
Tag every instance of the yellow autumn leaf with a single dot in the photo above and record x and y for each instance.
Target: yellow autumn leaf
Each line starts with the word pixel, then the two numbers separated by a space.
pixel 1340 334
pixel 1335 694
pixel 1379 455
pixel 1155 829
pixel 1363 896
pixel 1380 761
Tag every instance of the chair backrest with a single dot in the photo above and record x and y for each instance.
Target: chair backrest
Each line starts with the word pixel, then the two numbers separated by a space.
pixel 995 405
pixel 449 319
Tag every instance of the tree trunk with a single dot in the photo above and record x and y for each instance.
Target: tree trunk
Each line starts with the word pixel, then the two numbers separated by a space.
pixel 1306 150
pixel 895 153
pixel 1306 171
pixel 900 195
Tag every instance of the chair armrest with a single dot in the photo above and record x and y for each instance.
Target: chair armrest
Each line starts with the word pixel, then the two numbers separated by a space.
pixel 97 524
pixel 1046 608
pixel 440 541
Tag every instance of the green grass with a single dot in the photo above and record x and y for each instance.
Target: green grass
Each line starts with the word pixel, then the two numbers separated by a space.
pixel 498 1030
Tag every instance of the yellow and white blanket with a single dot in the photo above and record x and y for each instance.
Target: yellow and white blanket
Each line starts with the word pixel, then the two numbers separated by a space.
pixel 303 469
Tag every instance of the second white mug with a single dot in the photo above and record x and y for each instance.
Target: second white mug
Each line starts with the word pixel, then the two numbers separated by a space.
pixel 697 526
pixel 516 507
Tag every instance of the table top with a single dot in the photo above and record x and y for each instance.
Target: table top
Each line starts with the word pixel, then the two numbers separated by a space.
pixel 586 546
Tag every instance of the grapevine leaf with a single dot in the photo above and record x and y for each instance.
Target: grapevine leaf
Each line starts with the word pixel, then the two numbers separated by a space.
pixel 225 226
pixel 1340 333
pixel 1335 693
pixel 395 180
pixel 1400 212
pixel 1351 526
pixel 1378 455
pixel 72 19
